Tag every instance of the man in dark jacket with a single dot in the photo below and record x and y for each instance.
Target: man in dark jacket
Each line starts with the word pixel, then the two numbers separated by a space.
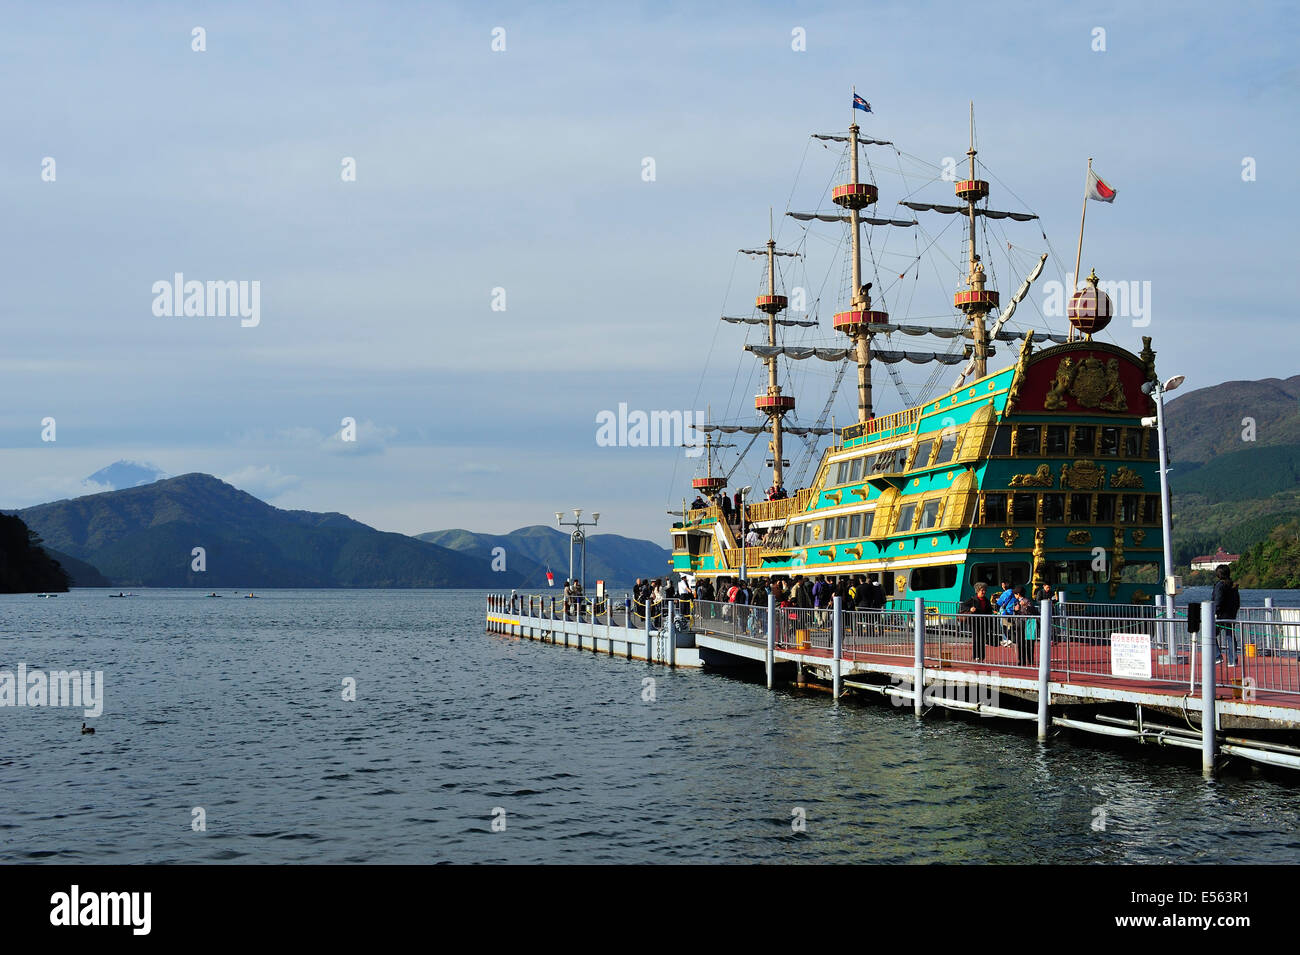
pixel 1226 601
pixel 974 610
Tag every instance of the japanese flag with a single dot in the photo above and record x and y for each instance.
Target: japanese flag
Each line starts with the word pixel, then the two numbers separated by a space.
pixel 1098 189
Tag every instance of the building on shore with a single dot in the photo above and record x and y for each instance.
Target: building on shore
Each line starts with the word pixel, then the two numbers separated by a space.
pixel 1214 561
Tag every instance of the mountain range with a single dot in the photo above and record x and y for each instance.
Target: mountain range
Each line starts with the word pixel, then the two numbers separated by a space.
pixel 147 535
pixel 1234 452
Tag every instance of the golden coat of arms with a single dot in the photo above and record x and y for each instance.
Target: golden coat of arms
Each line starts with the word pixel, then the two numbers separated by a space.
pixel 1090 382
pixel 1083 476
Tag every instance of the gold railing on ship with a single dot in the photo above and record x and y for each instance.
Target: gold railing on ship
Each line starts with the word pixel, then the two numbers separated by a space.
pixel 883 423
pixel 780 510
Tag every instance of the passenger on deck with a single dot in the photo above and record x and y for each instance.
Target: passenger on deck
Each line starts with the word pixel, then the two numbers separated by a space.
pixel 752 539
pixel 977 610
pixel 698 503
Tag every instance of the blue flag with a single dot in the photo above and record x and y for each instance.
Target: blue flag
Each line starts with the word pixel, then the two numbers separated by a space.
pixel 860 103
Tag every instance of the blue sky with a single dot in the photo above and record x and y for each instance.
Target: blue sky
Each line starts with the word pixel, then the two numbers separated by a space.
pixel 522 170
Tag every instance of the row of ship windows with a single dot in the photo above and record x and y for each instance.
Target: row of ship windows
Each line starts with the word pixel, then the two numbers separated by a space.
pixel 1060 508
pixel 1084 440
pixel 996 508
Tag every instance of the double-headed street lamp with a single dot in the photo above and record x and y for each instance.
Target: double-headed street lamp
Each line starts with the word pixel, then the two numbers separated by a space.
pixel 1156 389
pixel 578 539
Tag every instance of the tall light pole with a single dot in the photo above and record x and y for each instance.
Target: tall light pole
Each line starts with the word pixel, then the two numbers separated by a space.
pixel 578 539
pixel 744 493
pixel 1158 390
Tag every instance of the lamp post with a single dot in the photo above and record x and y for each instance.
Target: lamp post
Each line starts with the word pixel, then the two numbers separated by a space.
pixel 1158 390
pixel 744 493
pixel 578 539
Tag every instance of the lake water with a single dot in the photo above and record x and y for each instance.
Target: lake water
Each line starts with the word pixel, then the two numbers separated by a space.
pixel 236 707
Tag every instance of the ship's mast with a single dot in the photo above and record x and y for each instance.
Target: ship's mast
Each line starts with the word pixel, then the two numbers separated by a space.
pixel 773 388
pixel 857 322
pixel 773 404
pixel 976 301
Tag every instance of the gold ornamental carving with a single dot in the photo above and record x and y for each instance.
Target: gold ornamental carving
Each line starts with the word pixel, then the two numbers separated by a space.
pixel 1040 478
pixel 1117 566
pixel 1092 383
pixel 1083 476
pixel 1139 536
pixel 1141 597
pixel 817 531
pixel 860 492
pixel 1018 379
pixel 1040 555
pixel 834 496
pixel 855 551
pixel 1078 537
pixel 1148 359
pixel 828 554
pixel 1126 477
pixel 1009 537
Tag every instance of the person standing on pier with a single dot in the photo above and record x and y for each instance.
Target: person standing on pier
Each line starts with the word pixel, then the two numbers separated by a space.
pixel 1227 601
pixel 978 612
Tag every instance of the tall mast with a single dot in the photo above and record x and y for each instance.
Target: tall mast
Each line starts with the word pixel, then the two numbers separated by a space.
pixel 976 301
pixel 857 321
pixel 773 404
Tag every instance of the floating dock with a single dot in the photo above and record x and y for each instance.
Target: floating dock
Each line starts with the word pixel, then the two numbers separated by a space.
pixel 1116 671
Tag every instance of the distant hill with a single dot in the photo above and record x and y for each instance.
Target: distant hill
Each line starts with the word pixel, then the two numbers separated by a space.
pixel 80 573
pixel 531 550
pixel 144 536
pixel 1228 491
pixel 1274 562
pixel 24 566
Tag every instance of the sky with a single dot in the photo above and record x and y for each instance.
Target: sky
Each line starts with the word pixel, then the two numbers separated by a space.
pixel 538 233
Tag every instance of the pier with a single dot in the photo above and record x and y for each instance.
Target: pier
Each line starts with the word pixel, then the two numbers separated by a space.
pixel 1120 671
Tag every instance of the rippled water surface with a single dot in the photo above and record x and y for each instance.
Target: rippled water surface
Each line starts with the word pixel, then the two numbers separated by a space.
pixel 236 706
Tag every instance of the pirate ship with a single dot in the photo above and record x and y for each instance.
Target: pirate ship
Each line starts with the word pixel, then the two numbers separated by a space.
pixel 1040 472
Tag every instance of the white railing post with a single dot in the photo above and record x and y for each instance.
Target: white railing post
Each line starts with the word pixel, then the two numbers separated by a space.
pixel 771 638
pixel 1209 721
pixel 1044 669
pixel 837 645
pixel 918 654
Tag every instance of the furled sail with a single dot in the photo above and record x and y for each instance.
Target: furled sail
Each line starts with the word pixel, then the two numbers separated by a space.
pixel 862 140
pixel 759 429
pixel 950 210
pixel 887 356
pixel 738 320
pixel 835 217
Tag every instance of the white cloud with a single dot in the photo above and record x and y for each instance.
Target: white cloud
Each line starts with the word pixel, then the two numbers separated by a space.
pixel 263 481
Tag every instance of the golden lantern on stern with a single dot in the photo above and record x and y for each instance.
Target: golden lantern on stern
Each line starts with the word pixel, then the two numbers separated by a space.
pixel 1090 308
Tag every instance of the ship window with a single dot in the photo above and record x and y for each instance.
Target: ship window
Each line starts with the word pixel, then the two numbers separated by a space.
pixel 798 535
pixel 929 514
pixel 1085 440
pixel 1080 508
pixel 1133 442
pixel 1151 509
pixel 855 526
pixel 900 458
pixel 1053 508
pixel 1109 441
pixel 867 521
pixel 995 508
pixel 1130 508
pixel 828 529
pixel 1058 439
pixel 1029 439
pixel 1105 508
pixel 841 528
pixel 1061 573
pixel 933 578
pixel 947 445
pixel 1001 441
pixel 1016 574
pixel 905 515
pixel 842 473
pixel 855 470
pixel 1024 508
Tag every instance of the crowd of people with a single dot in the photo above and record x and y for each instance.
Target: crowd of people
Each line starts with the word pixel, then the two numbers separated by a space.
pixel 1009 619
pixel 733 507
